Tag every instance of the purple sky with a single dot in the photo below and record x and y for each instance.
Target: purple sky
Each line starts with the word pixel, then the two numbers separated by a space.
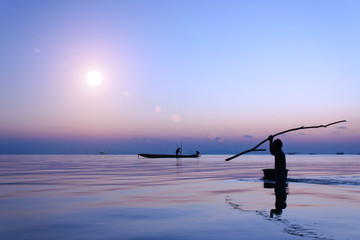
pixel 219 76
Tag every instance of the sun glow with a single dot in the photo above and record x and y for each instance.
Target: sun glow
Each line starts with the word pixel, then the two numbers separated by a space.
pixel 94 78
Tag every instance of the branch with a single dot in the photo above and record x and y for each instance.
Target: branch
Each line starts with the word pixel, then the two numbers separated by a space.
pixel 286 131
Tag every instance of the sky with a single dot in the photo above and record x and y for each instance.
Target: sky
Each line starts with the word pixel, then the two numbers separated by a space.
pixel 216 76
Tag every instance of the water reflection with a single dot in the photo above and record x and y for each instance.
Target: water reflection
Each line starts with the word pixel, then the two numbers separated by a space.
pixel 281 189
pixel 280 198
pixel 178 165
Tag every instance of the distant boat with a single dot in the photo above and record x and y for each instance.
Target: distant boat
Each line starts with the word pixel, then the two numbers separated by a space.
pixel 339 153
pixel 149 155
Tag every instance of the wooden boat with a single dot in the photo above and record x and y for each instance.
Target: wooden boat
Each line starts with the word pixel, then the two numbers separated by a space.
pixel 269 174
pixel 149 155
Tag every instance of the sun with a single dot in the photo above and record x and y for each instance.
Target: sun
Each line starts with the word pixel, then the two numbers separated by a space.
pixel 94 78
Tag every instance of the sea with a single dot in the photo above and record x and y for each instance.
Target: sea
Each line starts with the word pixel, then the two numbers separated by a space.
pixel 130 197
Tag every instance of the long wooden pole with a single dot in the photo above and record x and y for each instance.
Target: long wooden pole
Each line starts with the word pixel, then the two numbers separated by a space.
pixel 289 130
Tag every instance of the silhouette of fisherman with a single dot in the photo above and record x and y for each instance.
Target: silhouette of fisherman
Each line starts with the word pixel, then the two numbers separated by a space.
pixel 280 161
pixel 280 175
pixel 178 150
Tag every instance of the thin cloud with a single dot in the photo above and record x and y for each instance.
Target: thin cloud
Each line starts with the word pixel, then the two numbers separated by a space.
pixel 140 138
pixel 219 139
pixel 247 136
pixel 341 128
pixel 299 134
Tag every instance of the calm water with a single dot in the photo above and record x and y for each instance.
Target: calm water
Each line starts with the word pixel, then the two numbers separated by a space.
pixel 126 197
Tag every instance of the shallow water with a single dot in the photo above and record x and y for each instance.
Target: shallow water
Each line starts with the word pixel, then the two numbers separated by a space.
pixel 126 197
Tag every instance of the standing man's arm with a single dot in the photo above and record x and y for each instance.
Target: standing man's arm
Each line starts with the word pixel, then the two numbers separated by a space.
pixel 270 138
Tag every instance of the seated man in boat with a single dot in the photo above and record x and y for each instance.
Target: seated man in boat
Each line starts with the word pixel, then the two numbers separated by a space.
pixel 280 161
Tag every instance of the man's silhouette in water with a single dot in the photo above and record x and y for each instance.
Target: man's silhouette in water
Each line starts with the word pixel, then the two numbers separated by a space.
pixel 280 198
pixel 280 175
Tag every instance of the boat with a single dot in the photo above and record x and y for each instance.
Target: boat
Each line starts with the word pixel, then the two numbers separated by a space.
pixel 150 155
pixel 269 174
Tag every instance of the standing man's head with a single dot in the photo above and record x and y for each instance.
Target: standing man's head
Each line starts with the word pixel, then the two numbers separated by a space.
pixel 278 144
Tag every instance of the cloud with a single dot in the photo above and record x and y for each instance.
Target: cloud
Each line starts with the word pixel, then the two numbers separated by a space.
pixel 140 138
pixel 36 50
pixel 219 139
pixel 339 128
pixel 214 137
pixel 247 136
pixel 299 134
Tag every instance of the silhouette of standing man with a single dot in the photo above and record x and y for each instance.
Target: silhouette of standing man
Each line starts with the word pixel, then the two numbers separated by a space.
pixel 280 175
pixel 280 161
